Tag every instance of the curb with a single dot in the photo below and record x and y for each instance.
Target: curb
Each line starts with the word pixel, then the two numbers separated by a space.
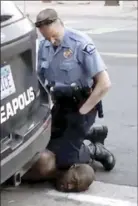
pixel 76 2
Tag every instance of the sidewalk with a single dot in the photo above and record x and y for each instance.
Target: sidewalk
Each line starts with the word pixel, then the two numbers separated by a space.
pixel 73 9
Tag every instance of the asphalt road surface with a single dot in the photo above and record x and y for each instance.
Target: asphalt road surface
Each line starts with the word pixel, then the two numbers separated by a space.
pixel 116 40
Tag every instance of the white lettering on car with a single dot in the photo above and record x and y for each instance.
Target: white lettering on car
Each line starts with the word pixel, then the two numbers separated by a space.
pixel 17 104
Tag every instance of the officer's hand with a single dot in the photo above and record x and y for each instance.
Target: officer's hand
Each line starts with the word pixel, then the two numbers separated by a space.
pixel 84 110
pixel 101 88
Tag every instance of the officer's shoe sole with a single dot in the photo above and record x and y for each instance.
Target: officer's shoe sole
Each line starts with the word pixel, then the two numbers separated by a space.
pixel 97 135
pixel 109 164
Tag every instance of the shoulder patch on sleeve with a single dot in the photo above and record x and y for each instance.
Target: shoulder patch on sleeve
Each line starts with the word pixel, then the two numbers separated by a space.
pixel 89 49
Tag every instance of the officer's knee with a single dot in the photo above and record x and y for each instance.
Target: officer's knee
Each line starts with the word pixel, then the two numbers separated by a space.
pixel 46 165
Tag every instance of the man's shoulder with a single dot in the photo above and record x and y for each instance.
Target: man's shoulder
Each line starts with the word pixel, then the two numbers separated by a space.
pixel 78 36
pixel 42 42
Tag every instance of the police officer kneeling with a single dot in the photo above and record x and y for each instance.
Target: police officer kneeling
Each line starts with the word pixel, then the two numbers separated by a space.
pixel 67 56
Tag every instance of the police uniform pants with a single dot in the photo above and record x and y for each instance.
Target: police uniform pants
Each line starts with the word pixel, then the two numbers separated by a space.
pixel 68 143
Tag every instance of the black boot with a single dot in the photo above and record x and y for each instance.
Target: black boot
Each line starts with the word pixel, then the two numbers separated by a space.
pixel 97 134
pixel 102 155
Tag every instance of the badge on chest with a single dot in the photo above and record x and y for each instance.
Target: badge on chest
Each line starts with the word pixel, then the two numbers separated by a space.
pixel 67 53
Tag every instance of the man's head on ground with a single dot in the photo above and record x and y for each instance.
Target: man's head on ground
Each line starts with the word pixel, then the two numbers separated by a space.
pixel 50 26
pixel 77 179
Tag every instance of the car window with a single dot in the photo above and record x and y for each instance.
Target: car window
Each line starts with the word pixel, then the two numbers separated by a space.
pixel 9 13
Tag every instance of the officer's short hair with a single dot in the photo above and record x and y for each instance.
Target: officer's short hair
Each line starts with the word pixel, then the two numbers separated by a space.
pixel 46 17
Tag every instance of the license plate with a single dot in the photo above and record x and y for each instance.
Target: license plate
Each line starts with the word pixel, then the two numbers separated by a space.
pixel 7 82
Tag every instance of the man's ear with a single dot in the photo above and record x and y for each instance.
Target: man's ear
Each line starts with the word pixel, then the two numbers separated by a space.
pixel 73 166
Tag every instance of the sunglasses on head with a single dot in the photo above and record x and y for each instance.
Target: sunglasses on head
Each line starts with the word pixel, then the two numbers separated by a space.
pixel 44 22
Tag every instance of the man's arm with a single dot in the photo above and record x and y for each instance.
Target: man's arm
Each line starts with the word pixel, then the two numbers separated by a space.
pixel 96 69
pixel 102 85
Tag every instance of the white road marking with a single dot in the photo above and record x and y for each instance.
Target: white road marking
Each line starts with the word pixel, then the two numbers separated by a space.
pixel 102 30
pixel 101 194
pixel 93 31
pixel 70 22
pixel 124 55
pixel 96 30
pixel 91 199
pixel 113 54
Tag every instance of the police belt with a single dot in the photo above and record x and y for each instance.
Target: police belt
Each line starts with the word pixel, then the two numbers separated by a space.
pixel 72 98
pixel 72 104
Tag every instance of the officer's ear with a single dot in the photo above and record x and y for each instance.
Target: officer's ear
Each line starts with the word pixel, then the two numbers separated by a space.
pixel 73 166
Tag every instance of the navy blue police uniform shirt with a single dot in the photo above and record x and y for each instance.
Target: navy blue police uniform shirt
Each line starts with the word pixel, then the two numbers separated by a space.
pixel 76 59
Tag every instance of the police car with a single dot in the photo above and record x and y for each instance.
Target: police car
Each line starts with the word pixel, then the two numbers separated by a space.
pixel 25 109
